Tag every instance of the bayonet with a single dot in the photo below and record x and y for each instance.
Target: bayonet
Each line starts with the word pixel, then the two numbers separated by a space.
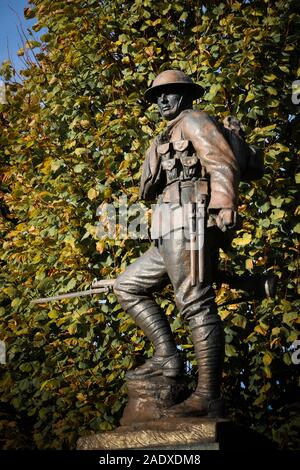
pixel 98 286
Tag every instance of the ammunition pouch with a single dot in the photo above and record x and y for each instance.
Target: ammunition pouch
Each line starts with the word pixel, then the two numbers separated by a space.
pixel 179 160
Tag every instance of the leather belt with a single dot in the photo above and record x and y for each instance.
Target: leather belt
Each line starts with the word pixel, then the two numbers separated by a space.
pixel 180 192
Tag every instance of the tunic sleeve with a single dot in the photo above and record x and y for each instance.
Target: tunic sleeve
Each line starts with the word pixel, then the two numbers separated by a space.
pixel 216 156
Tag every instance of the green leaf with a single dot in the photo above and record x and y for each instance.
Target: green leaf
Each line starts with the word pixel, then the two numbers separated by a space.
pixel 239 321
pixel 16 302
pixel 249 97
pixel 81 151
pixel 79 168
pixel 271 91
pixel 71 284
pixel 230 350
pixel 277 214
pixel 296 229
pixel 289 317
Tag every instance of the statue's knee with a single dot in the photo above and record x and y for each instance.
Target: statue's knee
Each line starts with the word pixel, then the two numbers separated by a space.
pixel 123 289
pixel 118 288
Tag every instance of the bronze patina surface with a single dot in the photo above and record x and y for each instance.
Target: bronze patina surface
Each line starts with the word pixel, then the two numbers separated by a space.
pixel 192 170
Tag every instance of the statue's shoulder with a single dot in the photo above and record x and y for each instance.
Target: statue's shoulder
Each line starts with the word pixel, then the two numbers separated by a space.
pixel 194 118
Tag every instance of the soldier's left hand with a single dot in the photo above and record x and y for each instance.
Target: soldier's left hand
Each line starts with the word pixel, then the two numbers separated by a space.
pixel 226 219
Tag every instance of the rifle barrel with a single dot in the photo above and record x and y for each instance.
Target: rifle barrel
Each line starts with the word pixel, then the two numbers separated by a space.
pixel 103 283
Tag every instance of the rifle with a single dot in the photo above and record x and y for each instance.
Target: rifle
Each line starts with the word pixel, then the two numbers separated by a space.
pixel 98 286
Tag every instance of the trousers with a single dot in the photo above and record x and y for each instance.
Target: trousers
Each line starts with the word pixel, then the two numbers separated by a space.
pixel 168 261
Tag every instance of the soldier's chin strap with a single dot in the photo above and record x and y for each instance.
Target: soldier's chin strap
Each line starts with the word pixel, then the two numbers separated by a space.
pixel 188 104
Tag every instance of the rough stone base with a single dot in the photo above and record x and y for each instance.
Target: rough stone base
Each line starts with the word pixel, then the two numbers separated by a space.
pixel 147 398
pixel 164 434
pixel 144 427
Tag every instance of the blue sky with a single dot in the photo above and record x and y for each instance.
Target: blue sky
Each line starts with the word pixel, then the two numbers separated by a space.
pixel 10 41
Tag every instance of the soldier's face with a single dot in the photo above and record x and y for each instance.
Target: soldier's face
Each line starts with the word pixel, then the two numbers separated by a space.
pixel 170 103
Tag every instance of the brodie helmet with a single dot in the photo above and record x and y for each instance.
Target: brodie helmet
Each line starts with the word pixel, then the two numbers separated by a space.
pixel 174 78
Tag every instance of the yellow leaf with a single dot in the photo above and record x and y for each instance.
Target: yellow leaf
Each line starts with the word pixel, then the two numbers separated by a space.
pixel 16 302
pixel 276 331
pixel 259 329
pixel 100 246
pixel 267 359
pixel 107 193
pixel 277 214
pixel 80 397
pixel 274 104
pixel 249 264
pixel 85 123
pixel 269 78
pixel 249 97
pixel 284 68
pixel 53 314
pixel 245 240
pixel 170 309
pixel 266 387
pixel 267 372
pixel 92 194
pixel 72 329
pixel 260 400
pixel 271 90
pixel 81 151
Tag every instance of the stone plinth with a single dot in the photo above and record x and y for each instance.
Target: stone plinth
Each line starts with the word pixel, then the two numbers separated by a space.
pixel 164 434
pixel 178 434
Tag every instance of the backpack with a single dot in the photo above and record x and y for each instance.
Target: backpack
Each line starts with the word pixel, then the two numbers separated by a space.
pixel 250 158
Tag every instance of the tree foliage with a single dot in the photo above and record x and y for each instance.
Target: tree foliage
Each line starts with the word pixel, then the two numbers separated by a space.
pixel 73 135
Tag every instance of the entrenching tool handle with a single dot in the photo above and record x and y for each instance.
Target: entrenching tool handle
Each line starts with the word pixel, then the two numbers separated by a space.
pixel 201 240
pixel 201 208
pixel 193 241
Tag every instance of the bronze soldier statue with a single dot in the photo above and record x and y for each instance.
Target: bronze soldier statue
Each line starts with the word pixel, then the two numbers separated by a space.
pixel 193 169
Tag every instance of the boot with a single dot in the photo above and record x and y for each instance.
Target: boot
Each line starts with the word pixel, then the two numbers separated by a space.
pixel 208 342
pixel 259 286
pixel 166 360
pixel 170 366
